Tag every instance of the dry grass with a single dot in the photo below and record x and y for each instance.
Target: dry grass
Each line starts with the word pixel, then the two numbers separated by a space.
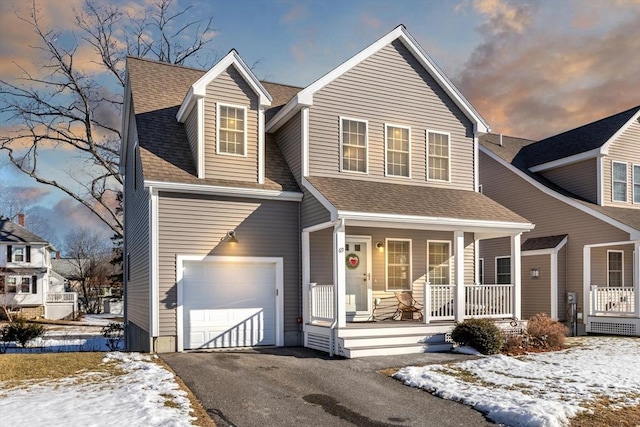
pixel 604 416
pixel 17 368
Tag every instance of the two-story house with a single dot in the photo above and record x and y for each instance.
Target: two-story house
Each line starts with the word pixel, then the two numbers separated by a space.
pixel 264 214
pixel 582 190
pixel 28 285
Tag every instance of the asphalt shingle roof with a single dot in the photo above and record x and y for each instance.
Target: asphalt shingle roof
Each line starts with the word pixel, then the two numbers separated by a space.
pixel 415 200
pixel 537 243
pixel 10 232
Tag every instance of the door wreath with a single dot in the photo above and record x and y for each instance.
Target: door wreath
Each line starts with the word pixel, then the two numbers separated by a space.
pixel 352 261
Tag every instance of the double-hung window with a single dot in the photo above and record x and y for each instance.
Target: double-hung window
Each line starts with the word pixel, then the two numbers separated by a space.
pixel 398 264
pixel 619 181
pixel 398 150
pixel 636 183
pixel 438 156
pixel 18 253
pixel 614 269
pixel 439 256
pixel 503 270
pixel 231 130
pixel 353 141
pixel 22 284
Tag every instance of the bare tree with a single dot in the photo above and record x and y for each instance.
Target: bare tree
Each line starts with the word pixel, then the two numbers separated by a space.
pixel 67 106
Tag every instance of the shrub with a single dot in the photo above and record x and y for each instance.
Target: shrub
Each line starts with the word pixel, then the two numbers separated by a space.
pixel 113 332
pixel 545 333
pixel 481 334
pixel 21 331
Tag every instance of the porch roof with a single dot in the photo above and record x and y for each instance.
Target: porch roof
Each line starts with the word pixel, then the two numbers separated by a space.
pixel 538 243
pixel 379 198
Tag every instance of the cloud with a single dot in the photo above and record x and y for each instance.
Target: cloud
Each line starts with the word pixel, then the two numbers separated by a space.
pixel 371 21
pixel 296 13
pixel 533 79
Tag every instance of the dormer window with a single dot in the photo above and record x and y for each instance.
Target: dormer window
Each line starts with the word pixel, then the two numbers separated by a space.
pixel 231 130
pixel 619 181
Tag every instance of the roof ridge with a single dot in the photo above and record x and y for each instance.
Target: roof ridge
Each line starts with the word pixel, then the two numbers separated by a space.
pixel 155 61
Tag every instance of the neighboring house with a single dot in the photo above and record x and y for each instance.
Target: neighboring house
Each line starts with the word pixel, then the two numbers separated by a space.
pixel 264 214
pixel 28 286
pixel 582 190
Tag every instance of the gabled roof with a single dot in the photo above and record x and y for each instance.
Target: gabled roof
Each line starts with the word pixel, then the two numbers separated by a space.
pixel 10 232
pixel 588 140
pixel 411 200
pixel 541 243
pixel 305 96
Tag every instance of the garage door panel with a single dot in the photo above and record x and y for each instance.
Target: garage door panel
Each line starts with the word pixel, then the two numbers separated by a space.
pixel 228 304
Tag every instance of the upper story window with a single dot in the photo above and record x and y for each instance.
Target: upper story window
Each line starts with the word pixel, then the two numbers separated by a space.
pixel 398 150
pixel 503 270
pixel 231 130
pixel 438 156
pixel 398 264
pixel 18 253
pixel 619 181
pixel 636 183
pixel 439 256
pixel 353 150
pixel 614 269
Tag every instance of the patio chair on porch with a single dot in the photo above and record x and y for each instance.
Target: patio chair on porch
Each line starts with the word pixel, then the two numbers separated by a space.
pixel 408 307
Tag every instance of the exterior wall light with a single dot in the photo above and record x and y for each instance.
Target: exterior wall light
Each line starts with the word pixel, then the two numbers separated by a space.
pixel 231 238
pixel 535 273
pixel 380 246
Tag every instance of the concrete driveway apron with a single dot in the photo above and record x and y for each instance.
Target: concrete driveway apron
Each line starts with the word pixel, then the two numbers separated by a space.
pixel 302 387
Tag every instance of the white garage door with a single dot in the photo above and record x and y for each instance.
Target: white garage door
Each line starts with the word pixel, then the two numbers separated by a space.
pixel 228 304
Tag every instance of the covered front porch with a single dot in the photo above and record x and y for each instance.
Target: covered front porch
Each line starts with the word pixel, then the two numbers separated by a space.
pixel 355 269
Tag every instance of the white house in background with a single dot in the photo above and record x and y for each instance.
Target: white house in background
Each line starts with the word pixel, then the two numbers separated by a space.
pixel 28 286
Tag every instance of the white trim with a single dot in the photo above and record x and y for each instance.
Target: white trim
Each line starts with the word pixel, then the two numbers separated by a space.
pixel 261 142
pixel 458 253
pixel 495 268
pixel 305 254
pixel 154 266
pixel 601 245
pixel 386 264
pixel 586 283
pixel 201 139
pixel 244 121
pixel 428 277
pixel 476 165
pixel 622 266
pixel 565 161
pixel 126 111
pixel 623 128
pixel 626 182
pixel 386 150
pixel 480 271
pixel 516 275
pixel 366 144
pixel 339 275
pixel 277 261
pixel 251 193
pixel 199 88
pixel 428 131
pixel 548 251
pixel 600 181
pixel 304 129
pixel 350 238
pixel 634 234
pixel 318 227
pixel 305 97
pixel 333 212
pixel 633 184
pixel 554 285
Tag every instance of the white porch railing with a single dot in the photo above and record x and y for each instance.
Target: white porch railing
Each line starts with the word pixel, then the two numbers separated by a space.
pixel 494 301
pixel 321 302
pixel 439 302
pixel 612 301
pixel 55 297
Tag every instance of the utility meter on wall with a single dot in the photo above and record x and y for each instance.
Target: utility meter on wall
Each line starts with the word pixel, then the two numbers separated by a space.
pixel 572 297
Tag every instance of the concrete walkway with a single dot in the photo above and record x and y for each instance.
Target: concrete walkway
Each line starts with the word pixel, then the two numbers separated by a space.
pixel 302 387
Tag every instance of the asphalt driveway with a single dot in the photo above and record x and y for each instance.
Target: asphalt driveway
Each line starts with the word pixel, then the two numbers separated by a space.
pixel 301 387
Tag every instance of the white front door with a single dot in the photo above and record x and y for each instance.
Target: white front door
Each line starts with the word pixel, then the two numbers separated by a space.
pixel 358 287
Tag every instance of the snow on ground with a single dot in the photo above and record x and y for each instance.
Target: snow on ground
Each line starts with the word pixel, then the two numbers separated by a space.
pixel 544 389
pixel 137 398
pixel 100 319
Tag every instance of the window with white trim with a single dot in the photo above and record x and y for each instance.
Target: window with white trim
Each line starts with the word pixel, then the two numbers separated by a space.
pixel 353 141
pixel 636 183
pixel 22 285
pixel 439 255
pixel 231 130
pixel 503 270
pixel 18 254
pixel 398 260
pixel 615 265
pixel 398 150
pixel 438 156
pixel 619 181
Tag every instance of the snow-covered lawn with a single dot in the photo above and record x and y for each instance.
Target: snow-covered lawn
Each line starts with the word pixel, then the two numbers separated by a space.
pixel 544 389
pixel 145 395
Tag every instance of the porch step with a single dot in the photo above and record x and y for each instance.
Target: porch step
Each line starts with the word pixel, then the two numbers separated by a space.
pixel 388 350
pixel 391 340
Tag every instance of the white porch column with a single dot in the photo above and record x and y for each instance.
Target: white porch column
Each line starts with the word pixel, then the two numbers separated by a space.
pixel 459 275
pixel 636 278
pixel 516 277
pixel 339 274
pixel 306 277
pixel 586 283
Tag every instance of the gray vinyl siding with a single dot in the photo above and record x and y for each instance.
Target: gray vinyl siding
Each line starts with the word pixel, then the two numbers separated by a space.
pixel 289 138
pixel 489 250
pixel 194 225
pixel 191 126
pixel 580 178
pixel 562 284
pixel 390 87
pixel 599 258
pixel 536 292
pixel 136 216
pixel 312 212
pixel 321 255
pixel 231 89
pixel 625 149
pixel 551 217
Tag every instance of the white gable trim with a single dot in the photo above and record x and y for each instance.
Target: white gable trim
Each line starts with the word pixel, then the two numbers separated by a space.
pixel 605 147
pixel 199 88
pixel 305 97
pixel 568 160
pixel 251 193
pixel 546 190
pixel 323 200
pixel 548 251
